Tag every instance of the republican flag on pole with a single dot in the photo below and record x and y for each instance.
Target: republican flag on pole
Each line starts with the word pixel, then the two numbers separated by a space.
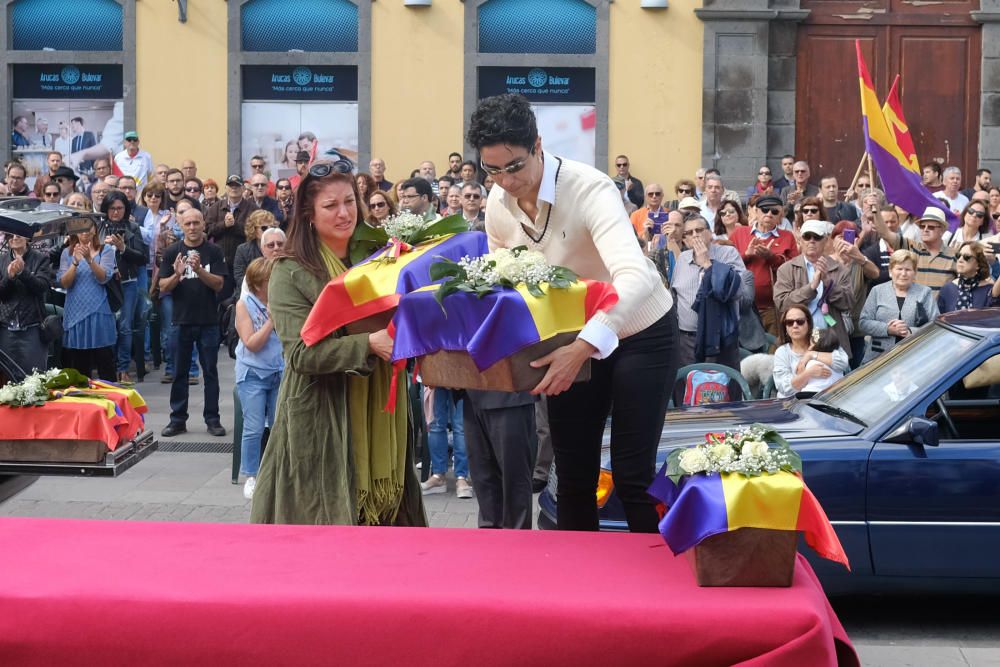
pixel 900 179
pixel 893 112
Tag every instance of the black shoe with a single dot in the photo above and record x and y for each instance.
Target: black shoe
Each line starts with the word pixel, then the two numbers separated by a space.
pixel 172 429
pixel 538 485
pixel 216 429
pixel 167 379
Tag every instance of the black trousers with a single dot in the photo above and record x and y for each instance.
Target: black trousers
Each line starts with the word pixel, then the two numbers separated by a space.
pixel 501 444
pixel 206 338
pixel 26 348
pixel 85 361
pixel 633 386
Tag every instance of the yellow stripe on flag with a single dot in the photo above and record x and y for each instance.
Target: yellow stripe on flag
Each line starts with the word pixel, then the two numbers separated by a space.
pixel 375 279
pixel 878 128
pixel 559 311
pixel 767 501
pixel 107 404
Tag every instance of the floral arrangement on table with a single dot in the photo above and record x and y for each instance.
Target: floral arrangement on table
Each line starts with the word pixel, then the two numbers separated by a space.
pixel 400 233
pixel 501 268
pixel 749 478
pixel 37 388
pixel 748 451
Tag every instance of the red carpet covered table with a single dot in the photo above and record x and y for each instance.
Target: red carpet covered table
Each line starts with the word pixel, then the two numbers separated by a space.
pixel 120 593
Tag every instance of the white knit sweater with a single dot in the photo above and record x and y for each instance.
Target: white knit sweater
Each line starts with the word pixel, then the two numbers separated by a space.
pixel 584 228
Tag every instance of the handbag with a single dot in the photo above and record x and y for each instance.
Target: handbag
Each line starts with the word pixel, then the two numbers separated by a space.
pixel 116 296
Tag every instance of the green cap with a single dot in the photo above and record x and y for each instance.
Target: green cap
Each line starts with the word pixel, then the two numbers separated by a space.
pixel 132 135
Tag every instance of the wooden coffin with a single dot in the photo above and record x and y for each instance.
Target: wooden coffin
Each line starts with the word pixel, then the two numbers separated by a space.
pixel 370 324
pixel 456 370
pixel 53 451
pixel 745 557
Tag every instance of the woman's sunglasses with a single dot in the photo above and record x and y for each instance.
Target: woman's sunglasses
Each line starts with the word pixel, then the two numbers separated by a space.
pixel 377 204
pixel 321 169
pixel 795 322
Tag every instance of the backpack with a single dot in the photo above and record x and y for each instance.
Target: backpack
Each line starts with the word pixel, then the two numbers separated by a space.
pixel 227 326
pixel 703 387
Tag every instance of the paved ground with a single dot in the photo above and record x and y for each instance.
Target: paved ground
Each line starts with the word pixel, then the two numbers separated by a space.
pixel 195 485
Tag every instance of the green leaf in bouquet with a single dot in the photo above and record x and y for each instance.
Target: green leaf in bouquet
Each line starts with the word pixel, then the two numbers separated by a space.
pixel 535 291
pixel 67 377
pixel 453 224
pixel 444 289
pixel 674 471
pixel 519 249
pixel 445 268
pixel 563 274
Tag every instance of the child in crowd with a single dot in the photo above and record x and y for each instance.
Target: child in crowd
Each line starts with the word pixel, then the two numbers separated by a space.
pixel 824 340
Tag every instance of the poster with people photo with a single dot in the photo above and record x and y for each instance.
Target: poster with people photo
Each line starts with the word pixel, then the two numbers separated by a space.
pixel 69 127
pixel 277 131
pixel 568 130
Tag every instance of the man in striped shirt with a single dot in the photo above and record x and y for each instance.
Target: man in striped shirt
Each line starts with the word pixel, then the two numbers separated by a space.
pixel 935 261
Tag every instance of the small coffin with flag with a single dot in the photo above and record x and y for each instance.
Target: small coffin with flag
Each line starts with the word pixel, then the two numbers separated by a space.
pixel 374 287
pixel 743 530
pixel 487 343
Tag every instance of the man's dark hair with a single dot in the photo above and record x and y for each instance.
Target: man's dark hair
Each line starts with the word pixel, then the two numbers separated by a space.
pixel 454 154
pixel 983 170
pixel 787 156
pixel 712 170
pixel 470 163
pixel 419 184
pixel 934 166
pixel 17 165
pixel 503 119
pixel 191 200
pixel 448 179
pixel 76 119
pixel 258 157
pixel 194 179
pixel 173 171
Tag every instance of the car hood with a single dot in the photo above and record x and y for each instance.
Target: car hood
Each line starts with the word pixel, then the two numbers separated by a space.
pixel 792 418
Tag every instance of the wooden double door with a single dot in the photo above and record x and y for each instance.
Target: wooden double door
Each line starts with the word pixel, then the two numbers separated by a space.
pixel 935 49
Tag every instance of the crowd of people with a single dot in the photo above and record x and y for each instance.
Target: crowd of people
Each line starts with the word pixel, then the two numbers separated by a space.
pixel 788 267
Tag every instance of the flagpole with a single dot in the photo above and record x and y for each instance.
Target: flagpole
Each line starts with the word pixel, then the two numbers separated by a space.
pixel 857 175
pixel 871 171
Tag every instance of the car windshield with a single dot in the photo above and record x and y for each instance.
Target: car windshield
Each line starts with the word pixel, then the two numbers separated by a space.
pixel 895 376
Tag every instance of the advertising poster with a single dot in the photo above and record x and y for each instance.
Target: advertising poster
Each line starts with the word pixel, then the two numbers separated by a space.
pixel 563 99
pixel 75 110
pixel 287 108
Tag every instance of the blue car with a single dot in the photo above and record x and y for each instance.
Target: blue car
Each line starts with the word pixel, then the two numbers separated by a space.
pixel 903 454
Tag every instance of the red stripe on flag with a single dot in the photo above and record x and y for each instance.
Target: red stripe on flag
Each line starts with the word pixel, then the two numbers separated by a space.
pixel 819 534
pixel 600 296
pixel 334 309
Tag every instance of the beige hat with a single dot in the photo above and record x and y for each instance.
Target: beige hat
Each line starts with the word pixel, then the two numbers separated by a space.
pixel 935 214
pixel 689 202
pixel 817 227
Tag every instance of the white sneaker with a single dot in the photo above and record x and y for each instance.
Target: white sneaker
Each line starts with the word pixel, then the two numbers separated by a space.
pixel 434 484
pixel 462 488
pixel 249 487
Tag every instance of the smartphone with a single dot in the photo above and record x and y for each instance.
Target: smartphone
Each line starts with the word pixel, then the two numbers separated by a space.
pixel 658 220
pixel 996 248
pixel 850 235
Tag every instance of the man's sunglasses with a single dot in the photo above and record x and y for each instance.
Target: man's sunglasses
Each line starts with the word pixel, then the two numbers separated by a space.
pixel 511 168
pixel 654 194
pixel 473 195
pixel 685 191
pixel 192 189
pixel 284 187
pixel 809 236
pixel 763 173
pixel 771 211
pixel 321 169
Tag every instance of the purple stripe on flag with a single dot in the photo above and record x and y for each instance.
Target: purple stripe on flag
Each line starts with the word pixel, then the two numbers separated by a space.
pixel 903 187
pixel 696 511
pixel 489 329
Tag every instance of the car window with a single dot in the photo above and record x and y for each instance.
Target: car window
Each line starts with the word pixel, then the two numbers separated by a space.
pixel 897 375
pixel 972 404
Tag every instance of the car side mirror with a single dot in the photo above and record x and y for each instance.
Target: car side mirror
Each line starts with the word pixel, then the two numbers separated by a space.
pixel 916 430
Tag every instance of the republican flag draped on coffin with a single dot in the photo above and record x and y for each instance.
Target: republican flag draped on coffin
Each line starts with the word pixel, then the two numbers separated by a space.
pixel 897 166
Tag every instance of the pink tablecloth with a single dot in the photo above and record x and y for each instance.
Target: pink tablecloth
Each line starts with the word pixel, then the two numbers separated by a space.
pixel 120 593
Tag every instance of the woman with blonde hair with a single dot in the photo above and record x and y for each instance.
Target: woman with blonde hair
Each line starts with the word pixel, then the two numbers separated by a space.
pixel 894 310
pixel 249 250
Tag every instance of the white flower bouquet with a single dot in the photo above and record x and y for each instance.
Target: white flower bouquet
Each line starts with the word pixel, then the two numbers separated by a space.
pixel 501 268
pixel 751 451
pixel 33 390
pixel 403 228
